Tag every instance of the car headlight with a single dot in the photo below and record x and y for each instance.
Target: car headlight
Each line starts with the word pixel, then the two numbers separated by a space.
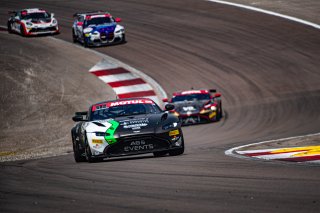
pixel 208 109
pixel 175 113
pixel 29 24
pixel 54 21
pixel 87 30
pixel 120 31
pixel 170 125
pixel 101 134
pixel 213 108
pixel 95 33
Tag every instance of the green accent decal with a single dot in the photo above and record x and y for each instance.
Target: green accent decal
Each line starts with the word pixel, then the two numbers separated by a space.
pixel 110 132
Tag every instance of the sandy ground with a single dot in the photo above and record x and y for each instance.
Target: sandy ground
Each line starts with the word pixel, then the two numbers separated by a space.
pixel 42 85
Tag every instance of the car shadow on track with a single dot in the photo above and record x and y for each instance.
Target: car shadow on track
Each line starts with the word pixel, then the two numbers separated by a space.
pixel 130 158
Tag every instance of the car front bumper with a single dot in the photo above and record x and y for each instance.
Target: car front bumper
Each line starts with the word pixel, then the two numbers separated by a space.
pixel 137 144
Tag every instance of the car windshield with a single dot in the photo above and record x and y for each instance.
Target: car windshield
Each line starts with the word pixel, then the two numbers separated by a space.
pixel 98 21
pixel 36 16
pixel 191 97
pixel 124 110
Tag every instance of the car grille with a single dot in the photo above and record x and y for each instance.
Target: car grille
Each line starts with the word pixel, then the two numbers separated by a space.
pixel 48 29
pixel 104 36
pixel 137 144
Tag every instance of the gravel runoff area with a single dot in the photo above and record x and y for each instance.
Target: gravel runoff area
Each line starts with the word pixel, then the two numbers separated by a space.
pixel 42 85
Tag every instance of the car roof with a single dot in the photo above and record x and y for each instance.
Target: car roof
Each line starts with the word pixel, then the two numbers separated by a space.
pixel 34 10
pixel 190 92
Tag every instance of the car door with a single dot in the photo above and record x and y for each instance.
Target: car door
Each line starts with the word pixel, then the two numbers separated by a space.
pixel 79 26
pixel 16 22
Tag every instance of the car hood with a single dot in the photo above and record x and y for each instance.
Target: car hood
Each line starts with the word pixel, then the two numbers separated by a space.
pixel 126 125
pixel 38 20
pixel 110 28
pixel 183 107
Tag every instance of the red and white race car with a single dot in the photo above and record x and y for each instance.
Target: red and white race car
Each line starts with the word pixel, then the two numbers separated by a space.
pixel 196 106
pixel 33 21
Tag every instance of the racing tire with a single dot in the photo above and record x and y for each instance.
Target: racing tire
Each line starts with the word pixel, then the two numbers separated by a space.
pixel 220 113
pixel 123 40
pixel 85 43
pixel 9 28
pixel 178 151
pixel 74 38
pixel 88 153
pixel 160 153
pixel 77 154
pixel 22 31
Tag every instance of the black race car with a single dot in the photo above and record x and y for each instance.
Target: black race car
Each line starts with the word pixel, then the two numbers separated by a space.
pixel 126 127
pixel 196 106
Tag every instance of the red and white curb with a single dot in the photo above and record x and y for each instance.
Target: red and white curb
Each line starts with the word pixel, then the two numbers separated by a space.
pixel 125 83
pixel 301 154
pixel 309 154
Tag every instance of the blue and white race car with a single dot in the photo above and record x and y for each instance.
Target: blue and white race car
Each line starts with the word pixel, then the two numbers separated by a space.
pixel 97 29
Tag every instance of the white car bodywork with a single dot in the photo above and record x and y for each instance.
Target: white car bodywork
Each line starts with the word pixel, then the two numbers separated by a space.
pixel 22 22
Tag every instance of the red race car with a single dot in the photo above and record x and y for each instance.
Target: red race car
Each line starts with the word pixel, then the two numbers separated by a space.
pixel 197 106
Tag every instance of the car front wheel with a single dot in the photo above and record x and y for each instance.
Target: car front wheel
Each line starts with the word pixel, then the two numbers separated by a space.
pixel 178 151
pixel 9 27
pixel 78 154
pixel 74 37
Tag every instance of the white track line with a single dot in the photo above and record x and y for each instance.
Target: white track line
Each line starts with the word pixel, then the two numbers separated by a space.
pixel 301 21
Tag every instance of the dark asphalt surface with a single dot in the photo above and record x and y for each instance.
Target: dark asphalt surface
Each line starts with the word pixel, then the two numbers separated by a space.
pixel 268 72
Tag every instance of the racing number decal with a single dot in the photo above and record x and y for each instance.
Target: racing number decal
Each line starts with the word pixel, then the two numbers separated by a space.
pixel 110 132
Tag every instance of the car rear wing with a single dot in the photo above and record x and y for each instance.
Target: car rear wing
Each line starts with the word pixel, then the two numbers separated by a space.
pixel 91 13
pixel 11 12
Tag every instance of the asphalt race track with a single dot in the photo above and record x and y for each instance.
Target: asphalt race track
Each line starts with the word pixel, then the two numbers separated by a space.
pixel 267 69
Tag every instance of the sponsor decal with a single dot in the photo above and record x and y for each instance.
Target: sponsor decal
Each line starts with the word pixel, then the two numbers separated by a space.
pixel 135 124
pixel 212 114
pixel 97 141
pixel 194 92
pixel 188 108
pixel 109 137
pixel 96 146
pixel 174 132
pixel 120 103
pixel 141 101
pixel 138 145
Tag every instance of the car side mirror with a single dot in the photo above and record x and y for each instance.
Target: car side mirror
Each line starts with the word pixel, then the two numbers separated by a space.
pixel 212 90
pixel 117 20
pixel 78 118
pixel 217 95
pixel 169 107
pixel 52 15
pixel 165 100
